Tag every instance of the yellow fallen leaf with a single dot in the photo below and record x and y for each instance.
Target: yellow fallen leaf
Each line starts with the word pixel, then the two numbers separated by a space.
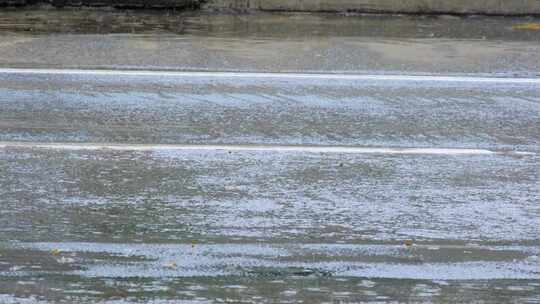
pixel 408 242
pixel 527 26
pixel 56 251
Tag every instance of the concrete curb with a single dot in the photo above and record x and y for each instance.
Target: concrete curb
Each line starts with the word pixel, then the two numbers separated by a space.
pixel 458 7
pixel 182 4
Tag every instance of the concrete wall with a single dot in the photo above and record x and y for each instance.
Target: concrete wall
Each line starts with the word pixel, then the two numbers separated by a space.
pixel 494 7
pixel 114 3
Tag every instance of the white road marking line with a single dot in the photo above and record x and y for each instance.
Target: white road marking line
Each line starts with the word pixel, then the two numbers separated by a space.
pixel 435 78
pixel 263 148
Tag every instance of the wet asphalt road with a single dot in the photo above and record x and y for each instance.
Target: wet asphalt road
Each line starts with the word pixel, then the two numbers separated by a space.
pixel 347 43
pixel 121 186
pixel 195 108
pixel 268 188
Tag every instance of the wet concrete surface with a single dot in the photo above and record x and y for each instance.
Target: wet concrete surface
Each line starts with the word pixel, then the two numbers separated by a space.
pixel 249 42
pixel 273 188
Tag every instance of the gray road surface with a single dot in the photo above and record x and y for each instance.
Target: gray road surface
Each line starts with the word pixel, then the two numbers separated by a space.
pixel 250 42
pixel 291 109
pixel 135 186
pixel 122 185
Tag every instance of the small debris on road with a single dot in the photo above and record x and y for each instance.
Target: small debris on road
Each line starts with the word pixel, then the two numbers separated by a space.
pixel 64 260
pixel 527 26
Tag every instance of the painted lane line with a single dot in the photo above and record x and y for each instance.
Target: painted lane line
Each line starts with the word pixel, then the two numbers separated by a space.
pixel 255 148
pixel 248 75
